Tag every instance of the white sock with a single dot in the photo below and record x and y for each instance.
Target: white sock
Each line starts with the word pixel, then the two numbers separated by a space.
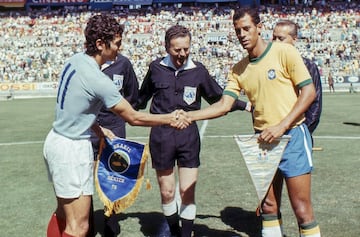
pixel 271 226
pixel 170 208
pixel 188 212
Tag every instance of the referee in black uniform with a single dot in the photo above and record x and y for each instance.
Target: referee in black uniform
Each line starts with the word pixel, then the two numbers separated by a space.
pixel 177 82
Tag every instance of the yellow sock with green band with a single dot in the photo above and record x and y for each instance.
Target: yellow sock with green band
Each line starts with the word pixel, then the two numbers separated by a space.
pixel 311 229
pixel 271 225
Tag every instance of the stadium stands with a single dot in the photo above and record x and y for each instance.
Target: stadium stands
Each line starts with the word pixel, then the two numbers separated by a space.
pixel 34 44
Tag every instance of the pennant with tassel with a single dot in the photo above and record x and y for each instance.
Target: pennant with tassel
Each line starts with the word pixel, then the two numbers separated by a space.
pixel 119 173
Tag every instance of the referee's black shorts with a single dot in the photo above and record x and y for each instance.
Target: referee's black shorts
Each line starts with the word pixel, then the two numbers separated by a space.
pixel 169 145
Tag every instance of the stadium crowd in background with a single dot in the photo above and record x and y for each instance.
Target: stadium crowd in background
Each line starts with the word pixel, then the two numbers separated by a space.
pixel 36 43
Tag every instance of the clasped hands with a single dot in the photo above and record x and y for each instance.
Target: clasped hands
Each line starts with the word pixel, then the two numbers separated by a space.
pixel 180 119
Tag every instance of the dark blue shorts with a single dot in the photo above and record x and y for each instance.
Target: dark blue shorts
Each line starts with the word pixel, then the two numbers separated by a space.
pixel 169 145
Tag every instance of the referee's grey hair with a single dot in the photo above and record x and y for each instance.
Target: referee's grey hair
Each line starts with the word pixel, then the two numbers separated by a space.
pixel 174 32
pixel 294 28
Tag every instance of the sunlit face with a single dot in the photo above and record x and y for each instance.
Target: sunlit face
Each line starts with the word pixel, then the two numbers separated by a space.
pixel 282 34
pixel 179 50
pixel 110 53
pixel 247 32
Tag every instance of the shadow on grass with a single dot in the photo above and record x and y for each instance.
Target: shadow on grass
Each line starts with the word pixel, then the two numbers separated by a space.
pixel 351 123
pixel 236 218
pixel 153 224
pixel 242 220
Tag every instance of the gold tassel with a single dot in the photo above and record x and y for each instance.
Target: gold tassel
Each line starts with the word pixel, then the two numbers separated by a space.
pixel 148 184
pixel 101 147
pixel 109 206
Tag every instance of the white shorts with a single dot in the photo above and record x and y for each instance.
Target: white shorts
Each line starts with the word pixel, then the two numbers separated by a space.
pixel 70 165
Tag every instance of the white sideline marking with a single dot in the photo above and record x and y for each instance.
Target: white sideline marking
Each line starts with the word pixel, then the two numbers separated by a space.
pixel 203 128
pixel 201 136
pixel 20 143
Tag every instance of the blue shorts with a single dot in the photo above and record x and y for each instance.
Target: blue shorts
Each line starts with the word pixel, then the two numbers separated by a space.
pixel 297 157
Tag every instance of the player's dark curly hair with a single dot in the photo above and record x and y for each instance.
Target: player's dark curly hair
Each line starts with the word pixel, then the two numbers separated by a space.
pixel 101 26
pixel 252 12
pixel 174 32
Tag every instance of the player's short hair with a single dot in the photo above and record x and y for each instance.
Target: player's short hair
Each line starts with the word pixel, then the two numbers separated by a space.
pixel 101 26
pixel 251 11
pixel 174 32
pixel 294 28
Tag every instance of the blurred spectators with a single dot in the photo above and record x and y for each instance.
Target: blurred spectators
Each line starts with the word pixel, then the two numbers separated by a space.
pixel 36 43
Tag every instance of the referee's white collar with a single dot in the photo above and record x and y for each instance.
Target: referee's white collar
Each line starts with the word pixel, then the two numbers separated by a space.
pixel 189 64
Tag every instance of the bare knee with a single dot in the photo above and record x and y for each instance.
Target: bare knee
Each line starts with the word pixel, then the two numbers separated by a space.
pixel 166 181
pixel 84 228
pixel 167 194
pixel 304 213
pixel 77 215
pixel 77 227
pixel 270 206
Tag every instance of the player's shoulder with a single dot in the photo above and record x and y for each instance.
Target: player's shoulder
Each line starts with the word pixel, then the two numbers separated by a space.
pixel 83 63
pixel 157 61
pixel 77 58
pixel 122 58
pixel 310 64
pixel 282 47
pixel 199 65
pixel 308 61
pixel 241 65
pixel 122 61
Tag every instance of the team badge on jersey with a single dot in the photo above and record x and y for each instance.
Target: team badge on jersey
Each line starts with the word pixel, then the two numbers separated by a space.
pixel 271 74
pixel 118 81
pixel 189 94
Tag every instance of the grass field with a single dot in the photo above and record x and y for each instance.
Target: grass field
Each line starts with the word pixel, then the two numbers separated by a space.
pixel 226 198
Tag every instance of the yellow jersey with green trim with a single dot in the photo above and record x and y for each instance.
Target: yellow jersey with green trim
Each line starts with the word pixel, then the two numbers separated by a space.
pixel 271 82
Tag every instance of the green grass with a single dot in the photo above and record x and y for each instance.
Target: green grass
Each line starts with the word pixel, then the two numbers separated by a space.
pixel 226 198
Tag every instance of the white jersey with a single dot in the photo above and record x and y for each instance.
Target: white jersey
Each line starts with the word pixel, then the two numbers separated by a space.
pixel 83 90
